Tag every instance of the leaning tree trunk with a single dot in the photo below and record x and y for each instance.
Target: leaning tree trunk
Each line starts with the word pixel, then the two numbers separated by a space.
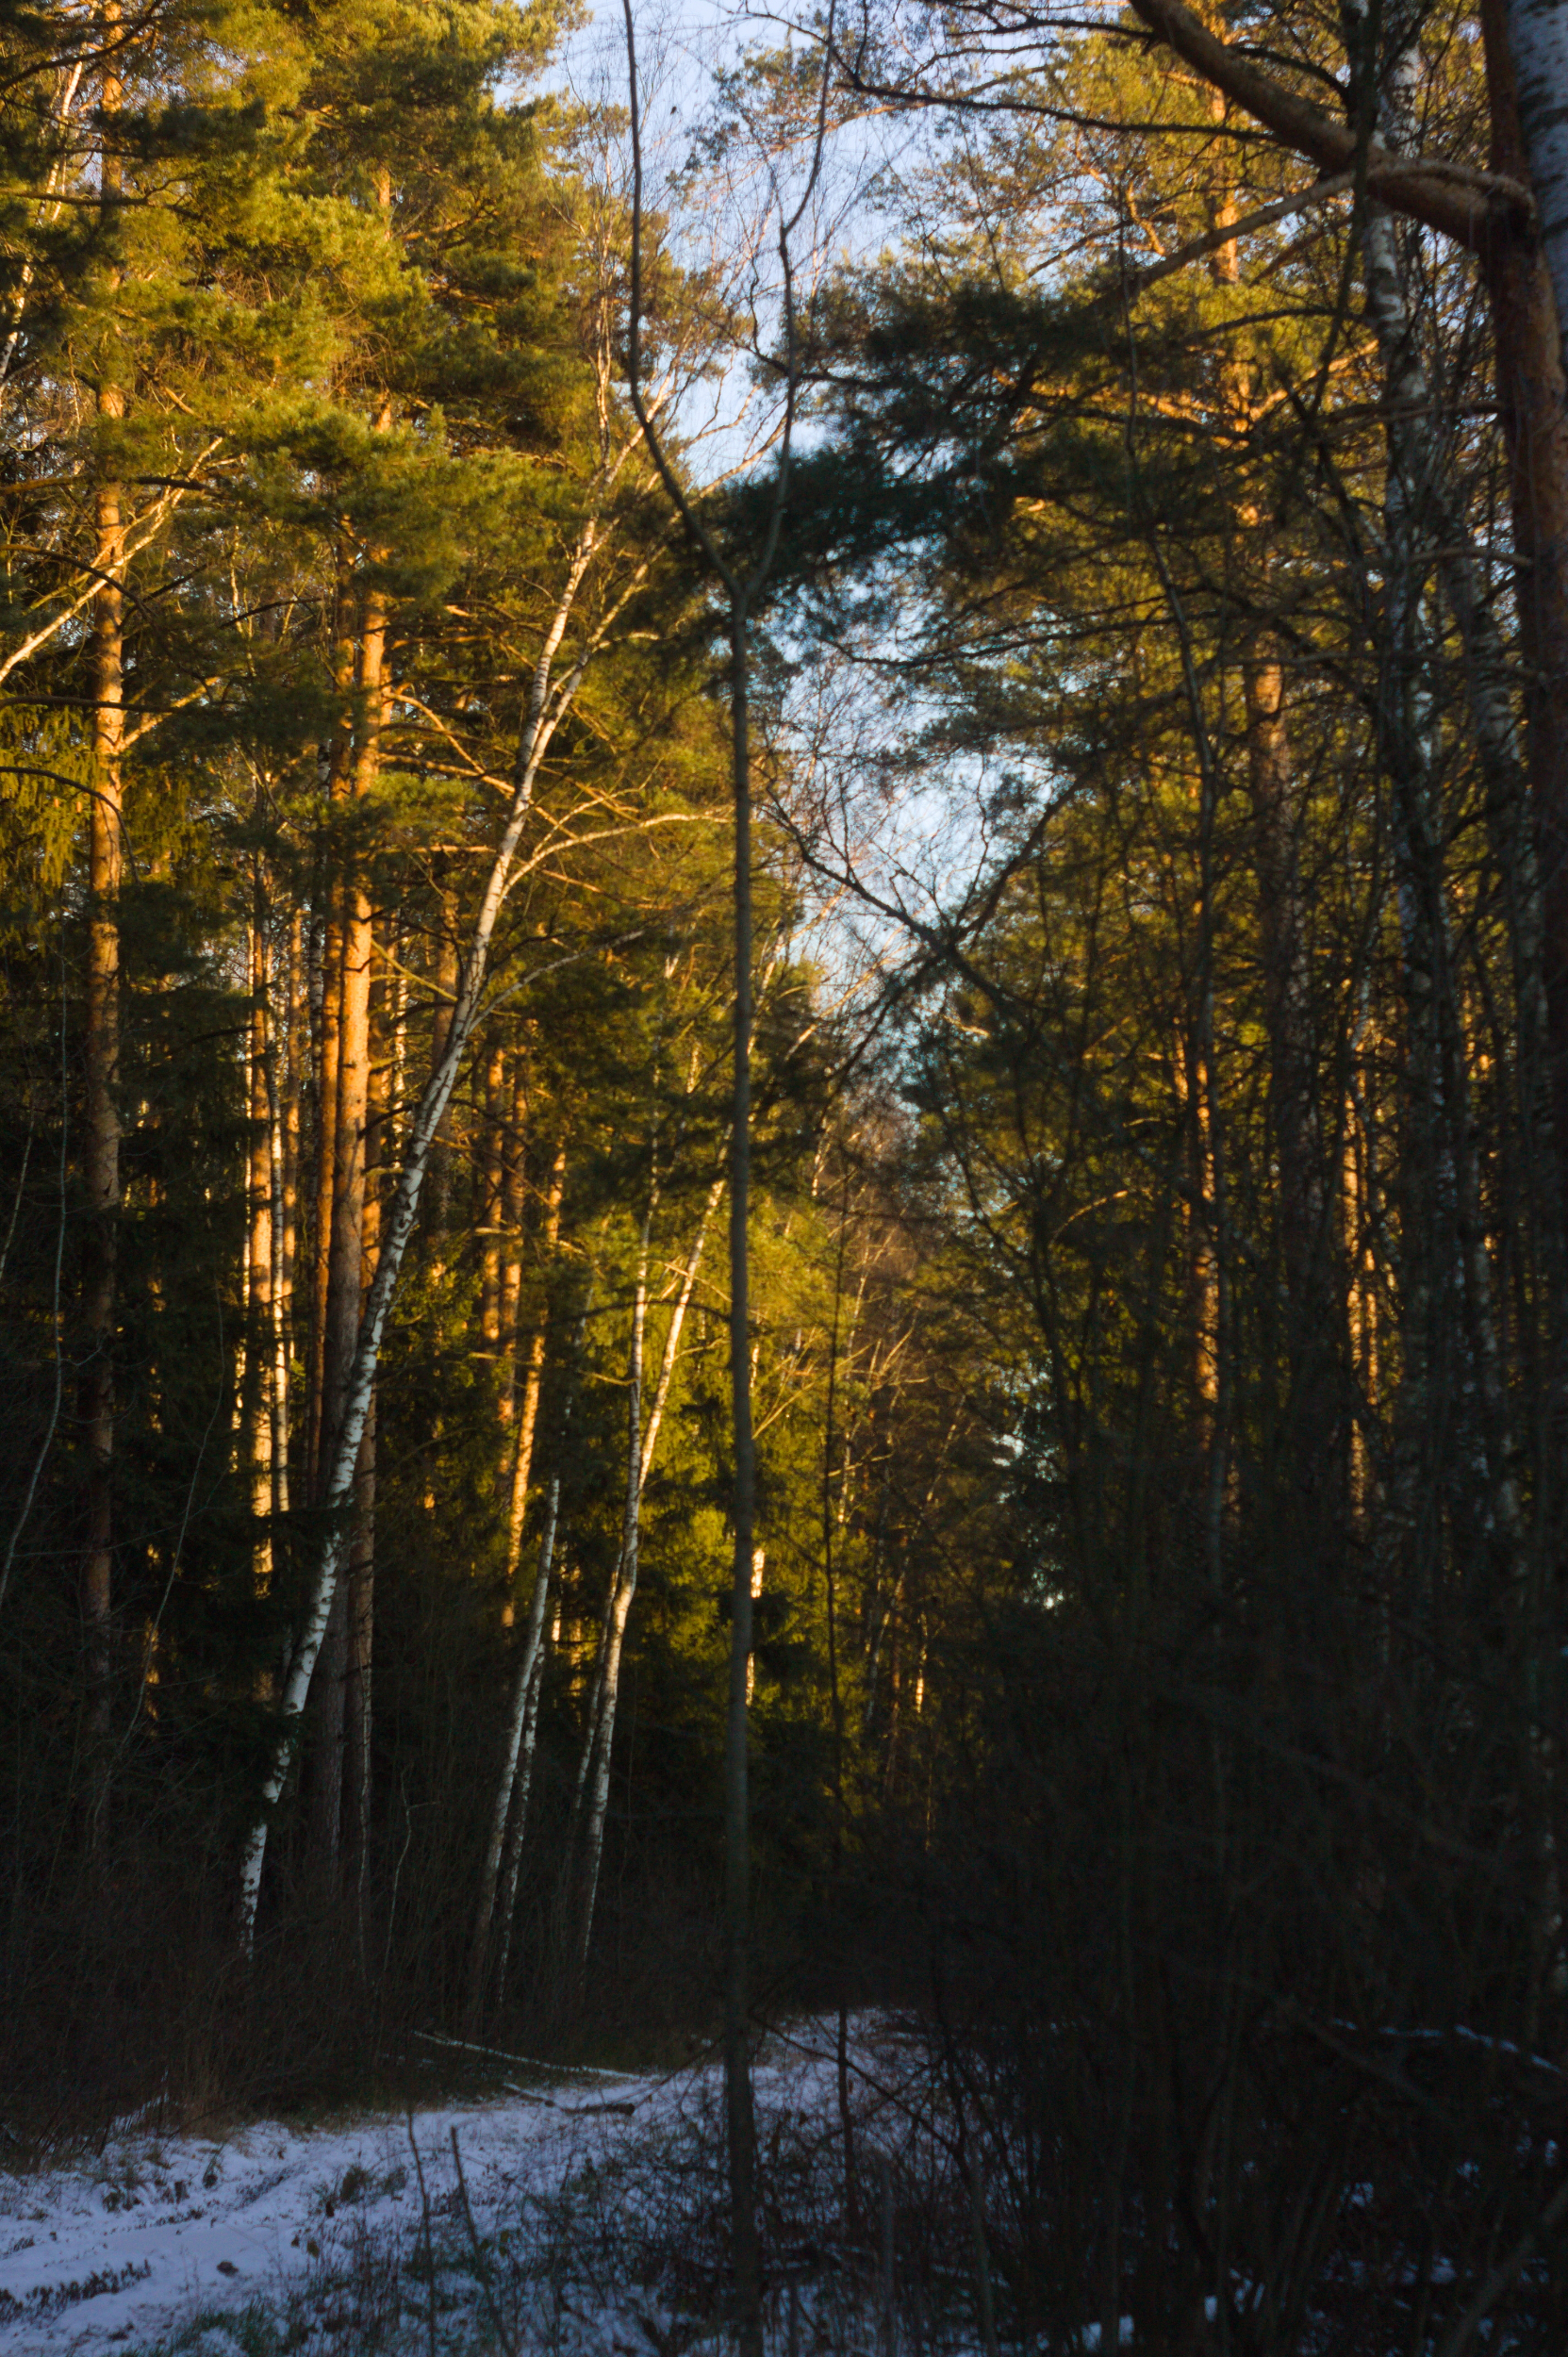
pixel 511 1802
pixel 594 1716
pixel 603 1734
pixel 521 1729
pixel 533 1378
pixel 511 1806
pixel 547 707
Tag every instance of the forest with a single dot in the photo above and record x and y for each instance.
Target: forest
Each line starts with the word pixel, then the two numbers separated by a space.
pixel 784 1110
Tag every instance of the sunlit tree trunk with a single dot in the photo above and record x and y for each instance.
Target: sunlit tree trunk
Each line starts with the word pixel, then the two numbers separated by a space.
pixel 1518 267
pixel 533 1378
pixel 283 1096
pixel 101 1143
pixel 261 1420
pixel 493 1186
pixel 444 978
pixel 361 1568
pixel 340 753
pixel 345 1196
pixel 512 1199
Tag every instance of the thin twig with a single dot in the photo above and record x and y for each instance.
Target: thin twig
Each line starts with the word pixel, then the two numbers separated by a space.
pixel 507 2343
pixel 429 2240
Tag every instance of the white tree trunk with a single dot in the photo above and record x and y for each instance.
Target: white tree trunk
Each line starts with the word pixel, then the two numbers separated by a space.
pixel 519 1718
pixel 650 1442
pixel 506 1910
pixel 545 711
pixel 1538 39
pixel 603 1736
pixel 1415 521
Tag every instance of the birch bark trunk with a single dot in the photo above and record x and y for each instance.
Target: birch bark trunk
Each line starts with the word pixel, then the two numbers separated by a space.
pixel 1538 40
pixel 511 1804
pixel 1416 491
pixel 1493 222
pixel 510 1815
pixel 522 1729
pixel 1533 393
pixel 1450 1258
pixel 548 702
pixel 594 1718
pixel 602 1735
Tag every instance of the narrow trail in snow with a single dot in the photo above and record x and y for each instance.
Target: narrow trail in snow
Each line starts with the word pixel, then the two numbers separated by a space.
pixel 119 2246
pixel 598 2202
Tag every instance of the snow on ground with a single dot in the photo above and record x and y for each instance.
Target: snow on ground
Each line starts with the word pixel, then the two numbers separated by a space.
pixel 597 2205
pixel 124 2246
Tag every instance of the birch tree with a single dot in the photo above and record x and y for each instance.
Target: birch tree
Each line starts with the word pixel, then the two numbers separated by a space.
pixel 642 1436
pixel 604 570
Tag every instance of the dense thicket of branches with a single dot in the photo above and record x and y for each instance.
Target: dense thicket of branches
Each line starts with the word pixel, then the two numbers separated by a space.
pixel 1159 1295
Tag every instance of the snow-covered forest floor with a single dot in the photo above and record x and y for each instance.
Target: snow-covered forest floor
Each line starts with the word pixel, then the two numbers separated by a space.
pixel 596 2207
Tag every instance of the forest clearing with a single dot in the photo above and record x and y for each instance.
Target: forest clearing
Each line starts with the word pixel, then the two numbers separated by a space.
pixel 784 1175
